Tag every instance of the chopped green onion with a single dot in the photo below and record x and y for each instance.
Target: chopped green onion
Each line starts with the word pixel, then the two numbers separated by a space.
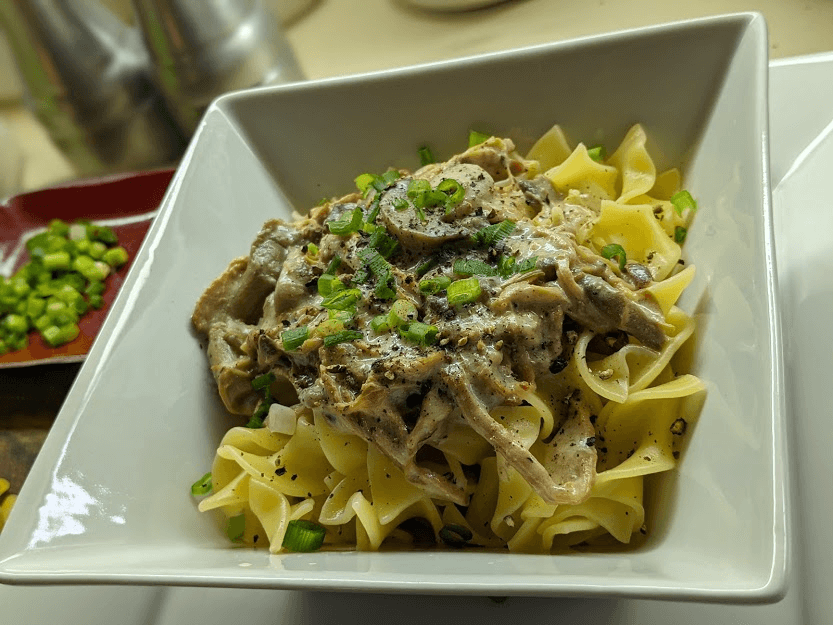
pixel 490 235
pixel 386 179
pixel 375 207
pixel 380 323
pixel 363 181
pixel 402 311
pixel 77 232
pixel 382 270
pixel 344 316
pixel 303 536
pixel 473 267
pixel 56 261
pixel 614 250
pixel 16 323
pixel 347 226
pixel 682 200
pixel 527 265
pixel 263 381
pixel 58 227
pixel 335 263
pixel 342 300
pixel 419 333
pixel 476 138
pixel 115 256
pixel 329 284
pixel 382 243
pixel 293 339
pixel 235 528
pixel 430 286
pixel 680 234
pixel 455 535
pixel 55 335
pixel 312 249
pixel 35 306
pixel 463 291
pixel 506 265
pixel 454 192
pixel 400 204
pixel 417 189
pixel 94 288
pixel 104 234
pixel 425 156
pixel 426 266
pixel 202 486
pixel 597 153
pixel 328 327
pixel 342 337
pixel 97 250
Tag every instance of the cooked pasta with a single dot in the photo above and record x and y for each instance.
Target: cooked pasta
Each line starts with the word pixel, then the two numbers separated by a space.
pixel 484 352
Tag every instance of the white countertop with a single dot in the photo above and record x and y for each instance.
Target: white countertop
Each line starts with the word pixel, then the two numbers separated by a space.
pixel 336 37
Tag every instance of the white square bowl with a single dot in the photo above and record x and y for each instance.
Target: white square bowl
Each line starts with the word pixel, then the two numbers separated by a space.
pixel 108 498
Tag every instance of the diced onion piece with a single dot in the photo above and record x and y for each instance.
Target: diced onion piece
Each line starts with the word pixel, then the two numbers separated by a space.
pixel 281 419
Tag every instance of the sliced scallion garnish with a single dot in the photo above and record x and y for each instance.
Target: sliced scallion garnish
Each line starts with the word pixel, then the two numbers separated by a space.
pixel 528 264
pixel 473 267
pixel 682 200
pixel 463 291
pixel 382 271
pixel 343 336
pixel 202 486
pixel 490 235
pixel 335 263
pixel 329 284
pixel 614 250
pixel 380 323
pixel 506 265
pixel 425 156
pixel 419 333
pixel 453 190
pixel 383 243
pixel 235 528
pixel 293 339
pixel 597 153
pixel 680 234
pixel 347 226
pixel 342 300
pixel 430 286
pixel 402 311
pixel 303 536
pixel 263 381
pixel 476 138
pixel 375 207
pixel 455 535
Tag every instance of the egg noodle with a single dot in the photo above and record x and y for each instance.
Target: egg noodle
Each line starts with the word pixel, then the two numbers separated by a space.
pixel 636 395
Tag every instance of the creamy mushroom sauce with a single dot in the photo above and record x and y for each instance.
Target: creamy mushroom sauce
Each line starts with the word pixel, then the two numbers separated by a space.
pixel 404 394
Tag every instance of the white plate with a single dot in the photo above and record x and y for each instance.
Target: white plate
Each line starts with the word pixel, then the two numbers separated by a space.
pixel 801 92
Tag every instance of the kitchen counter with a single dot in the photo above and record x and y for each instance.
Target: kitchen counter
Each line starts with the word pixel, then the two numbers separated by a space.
pixel 336 37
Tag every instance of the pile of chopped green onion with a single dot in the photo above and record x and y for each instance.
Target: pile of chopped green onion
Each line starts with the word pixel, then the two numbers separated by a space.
pixel 63 279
